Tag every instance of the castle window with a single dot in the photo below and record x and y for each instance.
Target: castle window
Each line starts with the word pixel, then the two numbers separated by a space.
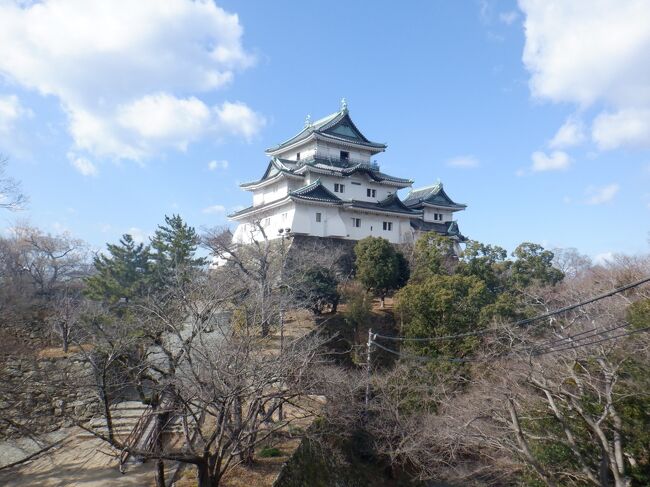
pixel 284 217
pixel 345 156
pixel 356 222
pixel 339 188
pixel 388 226
pixel 318 217
pixel 437 216
pixel 297 156
pixel 266 222
pixel 371 193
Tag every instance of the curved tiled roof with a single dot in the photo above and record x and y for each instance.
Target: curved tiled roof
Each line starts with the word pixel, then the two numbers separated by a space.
pixel 275 166
pixel 449 229
pixel 337 126
pixel 315 192
pixel 348 170
pixel 391 204
pixel 432 195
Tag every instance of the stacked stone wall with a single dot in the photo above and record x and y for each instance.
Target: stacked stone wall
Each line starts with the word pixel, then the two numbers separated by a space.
pixel 40 395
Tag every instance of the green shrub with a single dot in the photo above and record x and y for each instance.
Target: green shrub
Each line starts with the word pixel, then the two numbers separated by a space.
pixel 270 452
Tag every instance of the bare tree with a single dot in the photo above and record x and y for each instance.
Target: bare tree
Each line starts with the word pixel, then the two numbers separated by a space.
pixel 65 318
pixel 257 265
pixel 571 262
pixel 37 269
pixel 215 386
pixel 11 195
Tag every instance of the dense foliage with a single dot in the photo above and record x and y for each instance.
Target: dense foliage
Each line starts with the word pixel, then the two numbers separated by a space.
pixel 379 266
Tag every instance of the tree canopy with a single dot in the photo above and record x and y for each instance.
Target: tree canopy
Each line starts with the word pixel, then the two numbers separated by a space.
pixel 123 274
pixel 174 246
pixel 379 266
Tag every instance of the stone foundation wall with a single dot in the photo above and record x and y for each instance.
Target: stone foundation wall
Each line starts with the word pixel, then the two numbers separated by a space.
pixel 39 395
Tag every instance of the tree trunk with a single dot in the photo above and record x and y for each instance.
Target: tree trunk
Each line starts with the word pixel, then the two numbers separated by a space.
pixel 160 466
pixel 523 445
pixel 160 474
pixel 204 478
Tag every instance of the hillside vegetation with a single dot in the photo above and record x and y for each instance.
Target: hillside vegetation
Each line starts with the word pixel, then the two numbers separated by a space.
pixel 417 365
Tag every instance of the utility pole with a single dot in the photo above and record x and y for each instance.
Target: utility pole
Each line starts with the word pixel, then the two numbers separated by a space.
pixel 283 232
pixel 368 350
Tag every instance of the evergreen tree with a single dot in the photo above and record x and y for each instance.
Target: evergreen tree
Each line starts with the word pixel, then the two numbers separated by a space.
pixel 434 255
pixel 317 288
pixel 443 305
pixel 534 264
pixel 378 266
pixel 174 245
pixel 123 274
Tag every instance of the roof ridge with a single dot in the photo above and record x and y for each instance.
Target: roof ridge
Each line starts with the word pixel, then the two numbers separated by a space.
pixel 431 186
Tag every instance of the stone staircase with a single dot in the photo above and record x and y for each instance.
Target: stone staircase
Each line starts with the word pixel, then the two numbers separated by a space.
pixel 134 424
pixel 125 417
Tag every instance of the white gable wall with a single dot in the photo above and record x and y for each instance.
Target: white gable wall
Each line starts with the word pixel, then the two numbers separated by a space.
pixel 447 215
pixel 270 193
pixel 334 222
pixel 352 191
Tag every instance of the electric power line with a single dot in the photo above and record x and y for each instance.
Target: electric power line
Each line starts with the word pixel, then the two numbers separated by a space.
pixel 590 333
pixel 521 322
pixel 632 332
pixel 515 352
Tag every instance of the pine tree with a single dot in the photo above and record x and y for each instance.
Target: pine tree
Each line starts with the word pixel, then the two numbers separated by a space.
pixel 174 245
pixel 121 275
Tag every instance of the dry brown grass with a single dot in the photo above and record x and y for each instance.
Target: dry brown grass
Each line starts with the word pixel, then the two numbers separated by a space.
pixel 261 474
pixel 57 352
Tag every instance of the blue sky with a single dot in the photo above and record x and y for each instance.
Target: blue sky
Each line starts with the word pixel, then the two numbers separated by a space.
pixel 535 114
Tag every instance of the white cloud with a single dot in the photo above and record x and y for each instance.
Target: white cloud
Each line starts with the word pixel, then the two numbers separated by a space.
pixel 556 161
pixel 125 73
pixel 508 17
pixel 11 110
pixel 571 133
pixel 630 127
pixel 602 194
pixel 463 162
pixel 214 165
pixel 83 165
pixel 214 210
pixel 164 117
pixel 238 119
pixel 593 53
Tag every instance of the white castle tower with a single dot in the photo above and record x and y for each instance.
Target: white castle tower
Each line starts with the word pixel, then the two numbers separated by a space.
pixel 322 182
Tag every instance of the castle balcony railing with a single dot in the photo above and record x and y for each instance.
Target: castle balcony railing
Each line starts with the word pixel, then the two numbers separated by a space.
pixel 338 162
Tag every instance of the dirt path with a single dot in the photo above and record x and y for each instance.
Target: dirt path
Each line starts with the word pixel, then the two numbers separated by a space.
pixel 86 462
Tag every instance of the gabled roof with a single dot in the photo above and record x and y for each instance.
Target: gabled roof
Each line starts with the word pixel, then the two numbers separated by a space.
pixel 431 195
pixel 315 192
pixel 276 166
pixel 448 229
pixel 337 126
pixel 337 168
pixel 391 204
pixel 312 192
